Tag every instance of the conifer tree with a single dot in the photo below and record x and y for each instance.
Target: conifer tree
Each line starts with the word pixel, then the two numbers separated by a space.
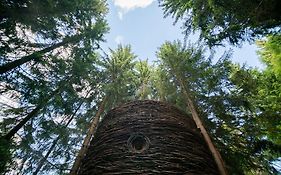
pixel 219 95
pixel 55 64
pixel 231 21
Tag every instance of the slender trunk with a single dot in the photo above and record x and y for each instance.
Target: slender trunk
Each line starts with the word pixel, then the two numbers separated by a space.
pixel 15 129
pixel 37 55
pixel 43 160
pixel 32 114
pixel 218 159
pixel 87 139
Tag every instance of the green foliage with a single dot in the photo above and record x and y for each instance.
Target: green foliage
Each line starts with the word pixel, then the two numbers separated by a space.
pixel 261 90
pixel 143 79
pixel 233 21
pixel 240 107
pixel 270 53
pixel 63 83
pixel 5 154
pixel 225 97
pixel 40 30
pixel 120 75
pixel 49 17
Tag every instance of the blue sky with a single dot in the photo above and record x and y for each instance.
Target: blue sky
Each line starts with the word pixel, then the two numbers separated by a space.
pixel 141 24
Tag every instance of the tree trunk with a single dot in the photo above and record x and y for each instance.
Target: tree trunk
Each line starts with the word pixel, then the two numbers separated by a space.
pixel 88 137
pixel 147 137
pixel 32 114
pixel 43 160
pixel 199 124
pixel 38 54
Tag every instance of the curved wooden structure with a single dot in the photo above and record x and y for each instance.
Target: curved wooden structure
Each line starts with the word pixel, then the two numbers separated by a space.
pixel 148 137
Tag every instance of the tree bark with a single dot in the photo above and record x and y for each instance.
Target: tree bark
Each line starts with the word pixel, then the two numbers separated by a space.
pixel 190 105
pixel 88 137
pixel 38 54
pixel 218 159
pixel 32 114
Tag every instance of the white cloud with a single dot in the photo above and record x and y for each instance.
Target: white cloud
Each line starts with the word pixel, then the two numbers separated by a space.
pixel 119 39
pixel 120 15
pixel 132 4
pixel 127 5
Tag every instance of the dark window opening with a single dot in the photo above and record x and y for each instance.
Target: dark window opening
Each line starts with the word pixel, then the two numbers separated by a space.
pixel 138 143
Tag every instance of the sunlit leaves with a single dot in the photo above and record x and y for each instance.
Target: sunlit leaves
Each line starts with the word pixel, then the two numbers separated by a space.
pixel 270 53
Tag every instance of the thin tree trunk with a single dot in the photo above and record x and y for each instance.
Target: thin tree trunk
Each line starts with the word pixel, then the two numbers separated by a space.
pixel 37 55
pixel 218 159
pixel 32 114
pixel 43 160
pixel 15 129
pixel 87 139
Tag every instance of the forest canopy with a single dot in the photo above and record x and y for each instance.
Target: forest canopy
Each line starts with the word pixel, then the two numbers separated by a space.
pixel 224 20
pixel 58 82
